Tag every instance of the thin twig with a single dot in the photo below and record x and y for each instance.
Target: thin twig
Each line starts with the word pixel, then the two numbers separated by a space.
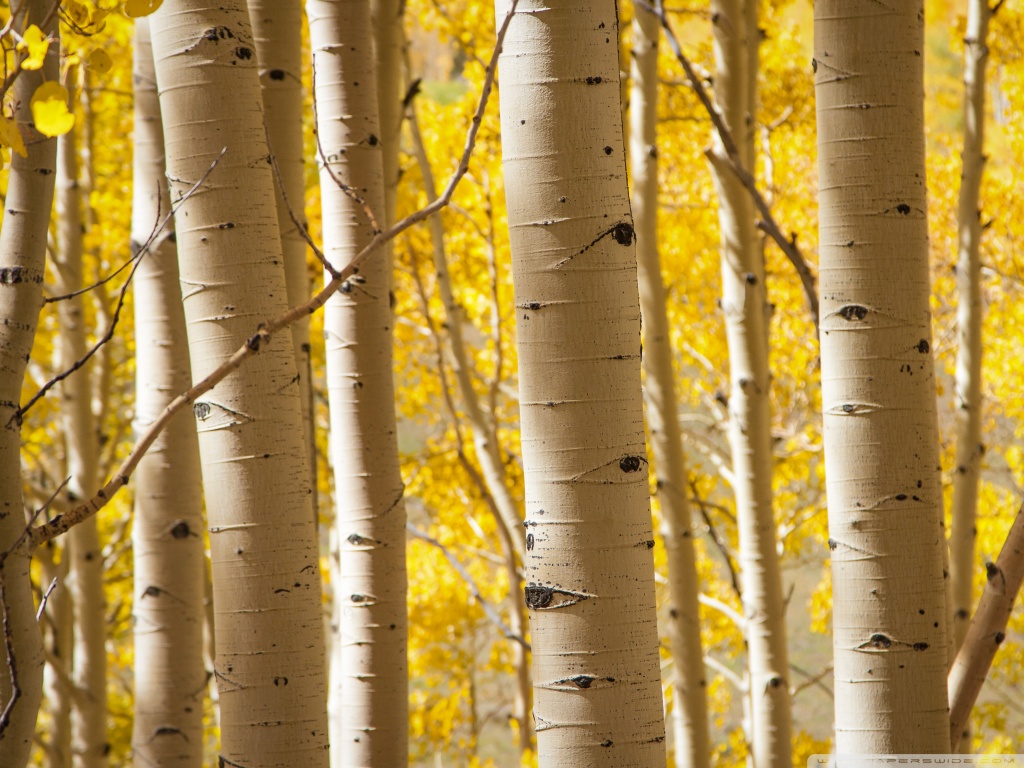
pixel 732 159
pixel 265 331
pixel 722 548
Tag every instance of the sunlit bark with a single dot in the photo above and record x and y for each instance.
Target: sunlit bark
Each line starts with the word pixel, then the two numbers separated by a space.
pixel 878 384
pixel 588 528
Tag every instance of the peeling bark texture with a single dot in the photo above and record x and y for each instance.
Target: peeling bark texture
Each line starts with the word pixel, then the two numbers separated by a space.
pixel 878 384
pixel 81 451
pixel 26 216
pixel 689 712
pixel 589 573
pixel 277 30
pixel 745 305
pixel 369 671
pixel 266 575
pixel 970 315
pixel 167 532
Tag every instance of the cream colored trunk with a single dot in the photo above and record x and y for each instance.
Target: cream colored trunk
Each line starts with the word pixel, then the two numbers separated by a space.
pixel 266 575
pixel 689 710
pixel 878 385
pixel 369 680
pixel 508 518
pixel 588 566
pixel 969 448
pixel 389 41
pixel 81 446
pixel 26 216
pixel 167 533
pixel 745 305
pixel 277 29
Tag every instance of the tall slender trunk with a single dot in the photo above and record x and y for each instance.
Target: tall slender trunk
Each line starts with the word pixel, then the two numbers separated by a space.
pixel 588 565
pixel 167 541
pixel 266 574
pixel 58 636
pixel 878 385
pixel 369 672
pixel 389 41
pixel 277 29
pixel 85 574
pixel 745 305
pixel 689 712
pixel 26 216
pixel 970 313
pixel 507 516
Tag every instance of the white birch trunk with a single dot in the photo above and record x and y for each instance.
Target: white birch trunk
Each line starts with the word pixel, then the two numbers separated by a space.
pixel 369 679
pixel 81 446
pixel 167 539
pixel 26 216
pixel 689 712
pixel 277 29
pixel 266 575
pixel 588 567
pixel 878 386
pixel 745 305
pixel 970 315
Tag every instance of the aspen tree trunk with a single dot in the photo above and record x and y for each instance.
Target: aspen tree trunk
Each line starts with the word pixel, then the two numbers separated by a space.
pixel 266 575
pixel 85 574
pixel 277 29
pixel 26 216
pixel 507 516
pixel 389 42
pixel 167 540
pixel 969 449
pixel 878 386
pixel 588 566
pixel 58 637
pixel 369 679
pixel 689 713
pixel 745 305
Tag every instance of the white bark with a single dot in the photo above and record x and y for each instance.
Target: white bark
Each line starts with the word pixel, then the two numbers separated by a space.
pixel 689 713
pixel 369 679
pixel 26 215
pixel 970 315
pixel 277 30
pixel 266 575
pixel 878 386
pixel 167 540
pixel 745 305
pixel 588 565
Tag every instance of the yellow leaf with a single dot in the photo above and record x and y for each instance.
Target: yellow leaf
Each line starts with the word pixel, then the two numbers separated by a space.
pixel 10 136
pixel 50 109
pixel 36 44
pixel 133 9
pixel 100 62
pixel 77 12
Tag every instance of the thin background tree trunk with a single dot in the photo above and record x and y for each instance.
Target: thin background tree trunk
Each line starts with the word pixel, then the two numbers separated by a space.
pixel 878 385
pixel 167 533
pixel 588 566
pixel 689 710
pixel 369 670
pixel 266 575
pixel 745 305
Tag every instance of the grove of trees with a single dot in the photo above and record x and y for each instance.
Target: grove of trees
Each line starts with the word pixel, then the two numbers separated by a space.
pixel 526 383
